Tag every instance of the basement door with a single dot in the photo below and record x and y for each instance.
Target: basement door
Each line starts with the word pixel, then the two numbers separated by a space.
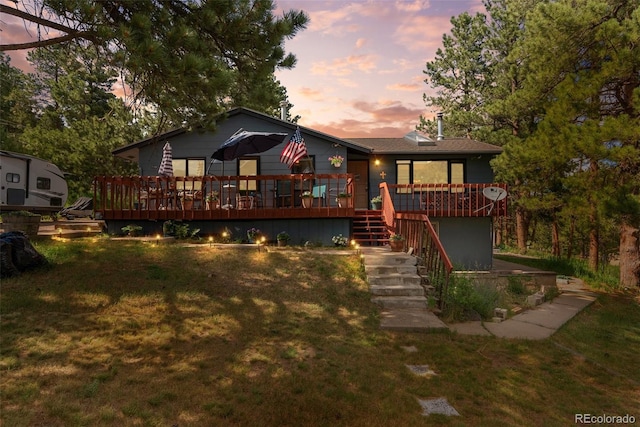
pixel 360 171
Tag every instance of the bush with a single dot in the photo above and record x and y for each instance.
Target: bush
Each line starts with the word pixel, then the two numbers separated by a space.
pixel 466 301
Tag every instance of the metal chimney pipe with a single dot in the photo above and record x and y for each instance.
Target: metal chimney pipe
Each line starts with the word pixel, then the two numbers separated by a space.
pixel 440 134
pixel 283 111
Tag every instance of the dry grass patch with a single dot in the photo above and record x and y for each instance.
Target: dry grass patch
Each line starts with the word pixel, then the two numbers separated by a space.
pixel 116 333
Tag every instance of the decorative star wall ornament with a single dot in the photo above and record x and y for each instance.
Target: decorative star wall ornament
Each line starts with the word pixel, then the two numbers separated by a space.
pixel 383 174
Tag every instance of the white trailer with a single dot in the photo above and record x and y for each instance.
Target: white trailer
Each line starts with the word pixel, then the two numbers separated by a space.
pixel 30 183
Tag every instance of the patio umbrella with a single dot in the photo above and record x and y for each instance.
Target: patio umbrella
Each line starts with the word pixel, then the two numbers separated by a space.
pixel 166 165
pixel 243 143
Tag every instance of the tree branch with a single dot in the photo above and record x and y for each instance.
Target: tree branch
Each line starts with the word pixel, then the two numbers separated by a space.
pixel 41 43
pixel 71 33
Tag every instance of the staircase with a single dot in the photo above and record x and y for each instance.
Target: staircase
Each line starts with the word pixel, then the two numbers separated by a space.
pixel 81 227
pixel 369 229
pixel 397 288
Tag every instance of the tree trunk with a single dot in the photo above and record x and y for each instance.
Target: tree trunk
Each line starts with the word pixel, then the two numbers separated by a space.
pixel 572 229
pixel 594 238
pixel 629 255
pixel 522 228
pixel 498 225
pixel 555 238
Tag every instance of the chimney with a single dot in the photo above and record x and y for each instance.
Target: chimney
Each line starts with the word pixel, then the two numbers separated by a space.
pixel 440 135
pixel 283 111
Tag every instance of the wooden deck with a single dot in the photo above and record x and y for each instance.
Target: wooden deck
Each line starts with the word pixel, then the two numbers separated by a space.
pixel 224 198
pixel 296 196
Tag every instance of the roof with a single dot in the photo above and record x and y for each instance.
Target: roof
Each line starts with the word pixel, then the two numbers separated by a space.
pixel 414 144
pixel 130 151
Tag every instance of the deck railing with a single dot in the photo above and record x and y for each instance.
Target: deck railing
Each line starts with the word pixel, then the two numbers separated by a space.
pixel 213 197
pixel 450 200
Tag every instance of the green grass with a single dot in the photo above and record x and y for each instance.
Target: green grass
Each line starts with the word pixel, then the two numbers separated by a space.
pixel 125 333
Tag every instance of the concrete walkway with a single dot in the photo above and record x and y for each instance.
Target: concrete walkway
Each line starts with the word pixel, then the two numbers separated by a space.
pixel 540 322
pixel 535 323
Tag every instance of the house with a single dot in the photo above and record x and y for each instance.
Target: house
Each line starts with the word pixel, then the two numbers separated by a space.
pixel 443 178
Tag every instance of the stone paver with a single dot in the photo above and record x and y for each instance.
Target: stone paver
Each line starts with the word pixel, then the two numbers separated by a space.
pixel 437 406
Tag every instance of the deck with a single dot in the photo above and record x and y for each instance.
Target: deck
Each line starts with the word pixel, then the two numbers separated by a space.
pixel 295 196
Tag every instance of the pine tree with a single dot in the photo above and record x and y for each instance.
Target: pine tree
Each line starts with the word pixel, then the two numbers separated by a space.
pixel 190 60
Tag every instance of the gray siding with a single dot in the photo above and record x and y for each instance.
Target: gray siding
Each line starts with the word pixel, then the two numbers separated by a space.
pixel 203 144
pixel 467 241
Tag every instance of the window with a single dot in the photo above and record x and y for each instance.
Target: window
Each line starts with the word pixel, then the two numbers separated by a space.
pixel 43 183
pixel 13 177
pixel 429 172
pixel 249 166
pixel 306 165
pixel 403 174
pixel 188 167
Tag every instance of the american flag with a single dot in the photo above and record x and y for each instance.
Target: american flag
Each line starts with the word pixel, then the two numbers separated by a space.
pixel 295 149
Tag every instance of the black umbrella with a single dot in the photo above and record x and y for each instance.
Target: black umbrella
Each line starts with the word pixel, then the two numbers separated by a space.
pixel 243 143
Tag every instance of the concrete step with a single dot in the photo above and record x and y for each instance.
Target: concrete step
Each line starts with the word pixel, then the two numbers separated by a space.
pixel 403 289
pixel 379 270
pixel 389 302
pixel 390 258
pixel 411 319
pixel 393 279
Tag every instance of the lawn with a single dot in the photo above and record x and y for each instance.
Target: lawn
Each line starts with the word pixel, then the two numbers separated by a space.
pixel 119 333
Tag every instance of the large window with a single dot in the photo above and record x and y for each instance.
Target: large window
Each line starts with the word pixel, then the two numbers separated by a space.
pixel 189 167
pixel 430 172
pixel 248 166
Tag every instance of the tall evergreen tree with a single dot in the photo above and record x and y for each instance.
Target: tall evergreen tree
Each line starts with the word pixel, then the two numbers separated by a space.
pixel 17 106
pixel 476 74
pixel 461 74
pixel 191 59
pixel 586 68
pixel 79 121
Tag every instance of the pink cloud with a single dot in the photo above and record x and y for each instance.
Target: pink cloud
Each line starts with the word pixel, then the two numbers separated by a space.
pixel 409 87
pixel 422 33
pixel 412 6
pixel 345 66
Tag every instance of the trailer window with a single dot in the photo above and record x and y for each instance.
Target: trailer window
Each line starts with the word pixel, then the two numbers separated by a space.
pixel 43 183
pixel 13 177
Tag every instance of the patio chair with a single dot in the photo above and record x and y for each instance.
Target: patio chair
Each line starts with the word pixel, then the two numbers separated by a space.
pixel 283 194
pixel 320 192
pixel 333 192
pixel 244 202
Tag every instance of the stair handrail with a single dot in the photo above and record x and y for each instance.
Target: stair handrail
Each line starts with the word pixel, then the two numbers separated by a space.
pixel 422 237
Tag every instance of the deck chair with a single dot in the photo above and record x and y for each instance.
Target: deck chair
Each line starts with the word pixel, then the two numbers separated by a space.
pixel 320 192
pixel 333 192
pixel 82 207
pixel 244 202
pixel 283 194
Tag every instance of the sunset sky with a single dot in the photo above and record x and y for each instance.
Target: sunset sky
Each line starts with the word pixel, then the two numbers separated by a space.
pixel 360 63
